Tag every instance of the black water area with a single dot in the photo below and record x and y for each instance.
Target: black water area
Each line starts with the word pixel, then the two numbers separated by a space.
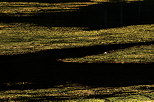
pixel 98 16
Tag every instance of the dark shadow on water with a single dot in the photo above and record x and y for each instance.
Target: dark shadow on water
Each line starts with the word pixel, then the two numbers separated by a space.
pixel 98 16
pixel 43 69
